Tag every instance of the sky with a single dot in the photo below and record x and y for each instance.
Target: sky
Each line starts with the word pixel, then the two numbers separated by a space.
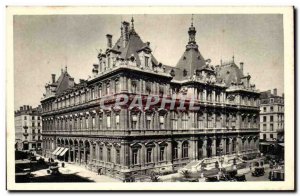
pixel 45 44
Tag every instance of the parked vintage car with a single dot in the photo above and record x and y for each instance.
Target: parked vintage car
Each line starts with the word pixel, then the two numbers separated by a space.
pixel 276 175
pixel 258 171
pixel 240 178
pixel 228 175
pixel 212 178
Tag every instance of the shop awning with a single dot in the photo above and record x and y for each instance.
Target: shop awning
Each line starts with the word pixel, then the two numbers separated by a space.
pixel 59 151
pixel 63 152
pixel 55 151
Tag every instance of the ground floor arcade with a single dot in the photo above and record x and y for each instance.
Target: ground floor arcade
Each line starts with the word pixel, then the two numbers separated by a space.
pixel 118 156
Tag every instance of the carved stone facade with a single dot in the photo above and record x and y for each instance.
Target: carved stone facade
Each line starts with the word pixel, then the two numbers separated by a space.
pixel 124 139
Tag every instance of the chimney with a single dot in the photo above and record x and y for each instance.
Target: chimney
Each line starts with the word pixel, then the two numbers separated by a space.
pixel 269 92
pixel 21 108
pixel 242 67
pixel 109 40
pixel 275 91
pixel 53 78
pixel 125 32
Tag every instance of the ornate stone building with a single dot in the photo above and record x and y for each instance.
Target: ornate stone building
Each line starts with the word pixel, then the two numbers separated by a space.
pixel 138 140
pixel 28 128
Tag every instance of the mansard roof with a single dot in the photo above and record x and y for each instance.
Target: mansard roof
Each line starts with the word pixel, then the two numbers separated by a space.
pixel 229 73
pixel 132 47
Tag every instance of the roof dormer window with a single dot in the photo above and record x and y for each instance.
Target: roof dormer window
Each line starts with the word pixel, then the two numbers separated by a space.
pixel 146 61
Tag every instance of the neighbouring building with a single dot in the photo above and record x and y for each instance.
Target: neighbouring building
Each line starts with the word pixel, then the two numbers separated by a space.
pixel 137 140
pixel 271 122
pixel 28 128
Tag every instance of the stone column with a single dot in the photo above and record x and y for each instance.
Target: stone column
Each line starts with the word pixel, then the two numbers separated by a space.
pixel 91 152
pixel 169 151
pixel 193 151
pixel 238 144
pixel 78 154
pixel 179 148
pixel 204 146
pixel 223 144
pixel 69 153
pixel 84 154
pixel 230 146
pixel 142 158
pixel 213 146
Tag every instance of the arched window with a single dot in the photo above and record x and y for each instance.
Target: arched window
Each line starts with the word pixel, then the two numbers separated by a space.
pixel 185 149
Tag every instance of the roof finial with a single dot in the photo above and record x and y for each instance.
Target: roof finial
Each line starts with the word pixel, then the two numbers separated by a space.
pixel 66 68
pixel 233 58
pixel 132 23
pixel 192 23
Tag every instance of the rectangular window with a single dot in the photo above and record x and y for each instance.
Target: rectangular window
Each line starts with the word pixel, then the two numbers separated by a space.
pixel 161 122
pixel 184 121
pixel 99 91
pixel 107 88
pixel 149 155
pixel 134 122
pixel 135 156
pixel 93 122
pixel 265 119
pixel 148 122
pixel 117 121
pixel 25 117
pixel 271 119
pixel 271 136
pixel 174 124
pixel 146 61
pixel 264 127
pixel 100 121
pixel 81 123
pixel 265 109
pixel 87 123
pixel 271 109
pixel 271 127
pixel 32 117
pixel 108 121
pixel 162 153
pixel 93 93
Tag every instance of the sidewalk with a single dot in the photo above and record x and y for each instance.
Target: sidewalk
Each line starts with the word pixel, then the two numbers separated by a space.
pixel 79 171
